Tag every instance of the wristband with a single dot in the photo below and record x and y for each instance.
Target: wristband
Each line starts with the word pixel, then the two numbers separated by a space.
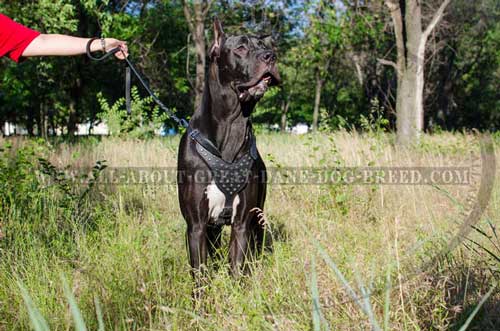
pixel 103 45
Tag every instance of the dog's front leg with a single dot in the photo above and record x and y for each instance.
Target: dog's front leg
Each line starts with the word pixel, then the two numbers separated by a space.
pixel 238 247
pixel 197 244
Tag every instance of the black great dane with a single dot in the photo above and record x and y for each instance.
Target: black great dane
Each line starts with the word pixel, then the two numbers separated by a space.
pixel 221 176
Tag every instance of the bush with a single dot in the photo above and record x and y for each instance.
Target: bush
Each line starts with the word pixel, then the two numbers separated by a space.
pixel 40 202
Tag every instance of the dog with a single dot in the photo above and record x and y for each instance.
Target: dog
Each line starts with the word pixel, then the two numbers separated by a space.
pixel 221 175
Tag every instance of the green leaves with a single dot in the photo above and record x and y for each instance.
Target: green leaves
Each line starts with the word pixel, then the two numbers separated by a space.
pixel 341 40
pixel 144 120
pixel 104 17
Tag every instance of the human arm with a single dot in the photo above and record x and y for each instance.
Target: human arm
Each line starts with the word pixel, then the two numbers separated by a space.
pixel 63 45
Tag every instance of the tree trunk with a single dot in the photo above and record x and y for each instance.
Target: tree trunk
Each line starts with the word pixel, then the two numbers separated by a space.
pixel 356 59
pixel 30 123
pixel 284 111
pixel 195 18
pixel 317 100
pixel 409 103
pixel 410 41
pixel 42 121
pixel 199 40
pixel 71 127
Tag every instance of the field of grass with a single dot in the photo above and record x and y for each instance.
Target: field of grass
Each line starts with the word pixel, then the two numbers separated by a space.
pixel 343 257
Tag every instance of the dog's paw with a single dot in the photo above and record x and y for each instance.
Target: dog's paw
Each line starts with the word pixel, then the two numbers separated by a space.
pixel 261 218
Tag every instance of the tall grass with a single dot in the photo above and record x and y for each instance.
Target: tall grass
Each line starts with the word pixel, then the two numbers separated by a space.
pixel 348 251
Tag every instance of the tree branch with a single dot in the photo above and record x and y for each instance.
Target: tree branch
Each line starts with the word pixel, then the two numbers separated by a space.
pixel 207 8
pixel 388 63
pixel 187 14
pixel 188 76
pixel 397 19
pixel 438 15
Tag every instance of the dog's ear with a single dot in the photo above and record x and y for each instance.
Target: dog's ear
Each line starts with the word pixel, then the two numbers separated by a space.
pixel 268 41
pixel 219 38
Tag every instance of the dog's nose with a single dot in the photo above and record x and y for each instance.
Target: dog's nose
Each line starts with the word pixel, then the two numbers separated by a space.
pixel 267 57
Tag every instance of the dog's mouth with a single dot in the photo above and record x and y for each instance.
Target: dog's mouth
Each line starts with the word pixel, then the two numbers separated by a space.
pixel 256 88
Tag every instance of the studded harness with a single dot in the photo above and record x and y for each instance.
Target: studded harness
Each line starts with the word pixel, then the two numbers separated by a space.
pixel 230 177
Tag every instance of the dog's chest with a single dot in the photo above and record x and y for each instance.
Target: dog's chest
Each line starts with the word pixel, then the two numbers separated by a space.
pixel 217 201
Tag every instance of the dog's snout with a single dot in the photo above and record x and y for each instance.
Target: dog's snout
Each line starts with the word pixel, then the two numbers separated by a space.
pixel 267 57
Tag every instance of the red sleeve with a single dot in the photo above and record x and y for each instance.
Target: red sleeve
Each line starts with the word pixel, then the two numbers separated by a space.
pixel 14 38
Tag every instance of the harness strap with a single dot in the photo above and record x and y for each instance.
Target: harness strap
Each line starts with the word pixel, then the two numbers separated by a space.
pixel 207 144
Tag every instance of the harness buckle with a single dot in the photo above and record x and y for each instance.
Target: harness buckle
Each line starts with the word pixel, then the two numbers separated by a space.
pixel 225 216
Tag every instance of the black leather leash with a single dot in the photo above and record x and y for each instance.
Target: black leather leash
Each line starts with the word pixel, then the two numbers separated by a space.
pixel 131 68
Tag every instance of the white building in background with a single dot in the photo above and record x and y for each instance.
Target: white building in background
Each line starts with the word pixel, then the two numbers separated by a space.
pixel 84 129
pixel 300 128
pixel 102 129
pixel 10 129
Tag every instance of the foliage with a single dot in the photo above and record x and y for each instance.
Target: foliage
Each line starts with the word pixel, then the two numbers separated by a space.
pixel 32 186
pixel 142 122
pixel 338 43
pixel 375 122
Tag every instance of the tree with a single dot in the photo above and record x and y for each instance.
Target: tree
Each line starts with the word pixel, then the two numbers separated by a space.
pixel 320 50
pixel 411 41
pixel 195 14
pixel 463 77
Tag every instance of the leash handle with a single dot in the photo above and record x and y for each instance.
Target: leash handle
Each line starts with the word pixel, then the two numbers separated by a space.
pixel 105 56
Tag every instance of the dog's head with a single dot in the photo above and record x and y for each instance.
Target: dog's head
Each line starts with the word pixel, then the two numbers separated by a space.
pixel 246 64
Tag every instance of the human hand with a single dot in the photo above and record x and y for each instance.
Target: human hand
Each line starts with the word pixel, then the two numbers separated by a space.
pixel 111 43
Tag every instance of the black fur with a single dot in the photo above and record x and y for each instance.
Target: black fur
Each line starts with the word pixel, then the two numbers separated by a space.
pixel 236 64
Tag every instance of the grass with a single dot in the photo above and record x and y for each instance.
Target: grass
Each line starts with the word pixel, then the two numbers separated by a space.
pixel 344 257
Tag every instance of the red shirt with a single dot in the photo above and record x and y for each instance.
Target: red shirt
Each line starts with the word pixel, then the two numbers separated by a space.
pixel 14 38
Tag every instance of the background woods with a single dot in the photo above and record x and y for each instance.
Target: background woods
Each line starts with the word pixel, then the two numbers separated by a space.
pixel 437 68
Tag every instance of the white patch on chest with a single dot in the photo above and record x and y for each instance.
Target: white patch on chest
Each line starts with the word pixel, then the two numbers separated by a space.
pixel 217 200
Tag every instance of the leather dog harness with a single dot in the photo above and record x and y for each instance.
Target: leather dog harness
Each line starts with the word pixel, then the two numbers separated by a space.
pixel 230 177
